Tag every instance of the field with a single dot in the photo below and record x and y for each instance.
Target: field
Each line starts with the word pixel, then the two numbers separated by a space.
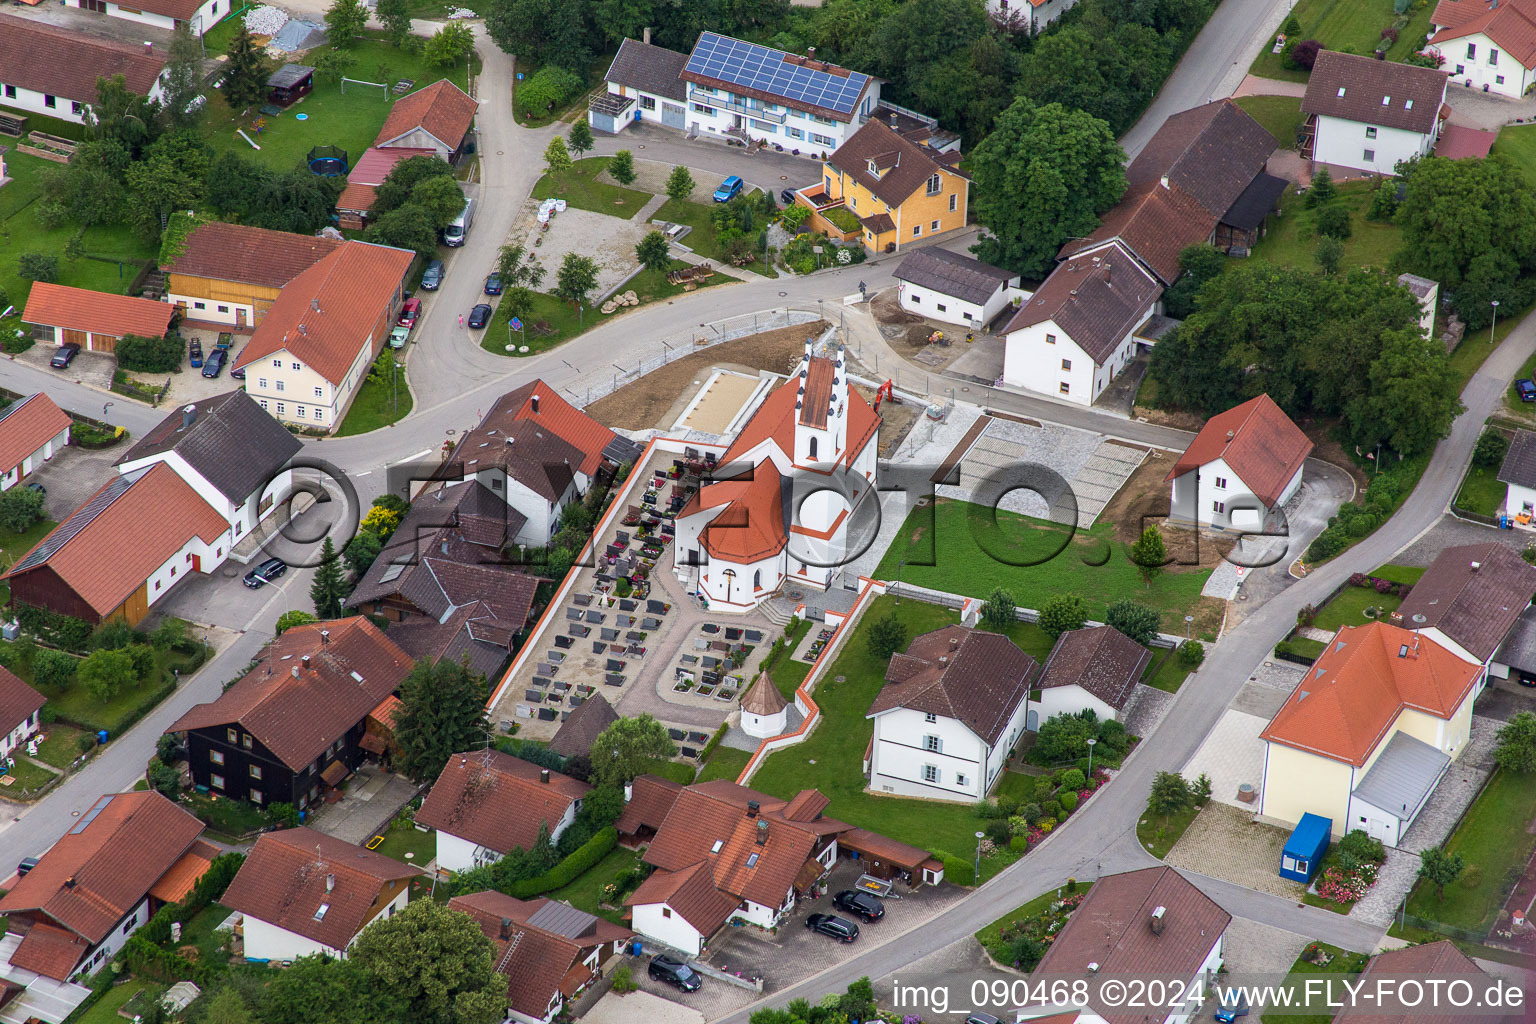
pixel 1292 237
pixel 1518 142
pixel 1495 841
pixel 1280 115
pixel 1351 25
pixel 580 188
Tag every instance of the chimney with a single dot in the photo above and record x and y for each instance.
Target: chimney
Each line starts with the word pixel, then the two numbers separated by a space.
pixel 1157 920
pixel 149 47
pixel 943 659
pixel 306 661
pixel 629 791
pixel 1231 434
pixel 325 637
pixel 544 776
pixel 330 882
pixel 1093 967
pixel 1108 266
pixel 506 922
pixel 894 121
pixel 752 806
pixel 295 671
pixel 69 883
pixel 188 415
pixel 762 832
pixel 645 35
pixel 954 643
pixel 535 403
pixel 810 52
pixel 1163 181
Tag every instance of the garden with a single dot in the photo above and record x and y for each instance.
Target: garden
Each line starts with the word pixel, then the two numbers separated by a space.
pixel 1171 805
pixel 1318 958
pixel 1518 142
pixel 1352 26
pixel 1481 493
pixel 384 397
pixel 1020 937
pixel 579 187
pixel 1291 237
pixel 1349 869
pixel 1281 116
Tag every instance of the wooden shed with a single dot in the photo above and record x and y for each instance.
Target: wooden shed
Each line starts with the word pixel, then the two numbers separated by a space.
pixel 59 315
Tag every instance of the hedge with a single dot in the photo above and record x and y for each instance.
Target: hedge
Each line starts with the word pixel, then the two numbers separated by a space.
pixel 714 741
pixel 208 890
pixel 62 631
pixel 960 872
pixel 568 870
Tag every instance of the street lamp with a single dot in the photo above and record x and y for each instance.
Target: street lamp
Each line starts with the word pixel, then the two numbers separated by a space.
pixel 1188 622
pixel 976 878
pixel 1091 744
pixel 104 407
pixel 1494 322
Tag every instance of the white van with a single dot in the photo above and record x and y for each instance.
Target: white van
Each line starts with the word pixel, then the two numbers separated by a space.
pixel 455 233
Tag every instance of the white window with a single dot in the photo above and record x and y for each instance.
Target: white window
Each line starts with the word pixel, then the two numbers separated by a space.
pixel 215 757
pixel 303 412
pixel 822 140
pixel 263 403
pixel 917 229
pixel 319 413
pixel 931 743
pixel 961 780
pixel 261 382
pixel 934 184
pixel 1221 483
pixel 1370 156
pixel 319 392
pixel 216 781
pixel 930 773
pixel 280 386
pixel 930 717
pixel 702 109
pixel 794 133
pixel 954 201
pixel 647 103
pixel 1219 507
pixel 282 409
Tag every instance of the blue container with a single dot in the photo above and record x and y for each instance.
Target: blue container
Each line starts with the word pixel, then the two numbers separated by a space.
pixel 101 737
pixel 636 948
pixel 1303 853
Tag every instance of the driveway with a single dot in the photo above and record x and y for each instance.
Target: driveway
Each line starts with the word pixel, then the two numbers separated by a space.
pixel 372 798
pixel 1225 842
pixel 707 159
pixel 1450 532
pixel 91 369
pixel 74 474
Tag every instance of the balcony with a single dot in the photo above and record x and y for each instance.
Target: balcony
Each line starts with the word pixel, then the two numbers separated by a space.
pixel 725 101
pixel 823 209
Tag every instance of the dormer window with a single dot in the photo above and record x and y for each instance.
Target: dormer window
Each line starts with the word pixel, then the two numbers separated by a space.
pixel 873 169
pixel 1341 92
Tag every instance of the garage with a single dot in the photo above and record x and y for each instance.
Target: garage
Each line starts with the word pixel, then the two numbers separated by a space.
pixel 673 116
pixel 609 112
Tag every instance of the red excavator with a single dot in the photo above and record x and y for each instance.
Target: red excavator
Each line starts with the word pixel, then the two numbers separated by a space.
pixel 886 391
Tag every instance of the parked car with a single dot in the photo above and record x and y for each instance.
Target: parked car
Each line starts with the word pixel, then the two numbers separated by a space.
pixel 432 277
pixel 729 189
pixel 787 197
pixel 982 1018
pixel 410 312
pixel 1231 1009
pixel 480 316
pixel 1527 389
pixel 863 904
pixel 214 364
pixel 39 488
pixel 493 284
pixel 238 372
pixel 674 972
pixel 830 924
pixel 398 336
pixel 265 573
pixel 195 353
pixel 64 356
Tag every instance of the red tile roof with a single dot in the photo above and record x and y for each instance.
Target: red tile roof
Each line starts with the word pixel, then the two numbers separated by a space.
pixel 751 526
pixel 66 63
pixel 327 315
pixel 26 425
pixel 298 716
pixel 50 951
pixel 1374 92
pixel 1100 659
pixel 497 801
pixel 180 878
pixel 976 678
pixel 369 172
pixel 1349 698
pixel 555 416
pixel 442 108
pixel 80 309
pixel 1096 298
pixel 904 166
pixel 18 701
pixel 1458 142
pixel 691 894
pixel 234 252
pixel 289 876
pixel 1439 960
pixel 109 546
pixel 775 420
pixel 650 801
pixel 1511 24
pixel 1257 441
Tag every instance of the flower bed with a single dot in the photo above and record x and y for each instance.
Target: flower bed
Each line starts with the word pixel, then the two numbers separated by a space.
pixel 1349 870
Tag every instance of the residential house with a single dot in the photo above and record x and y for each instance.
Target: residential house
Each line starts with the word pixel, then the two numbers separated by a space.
pixel 230 452
pixel 439 118
pixel 32 430
pixel 1487 44
pixel 957 289
pixel 72 911
pixel 1427 293
pixel 764 710
pixel 52 70
pixel 312 351
pixel 541 453
pixel 1369 730
pixel 19 707
pixel 1441 964
pixel 301 892
pixel 197 15
pixel 900 190
pixel 1517 472
pixel 1370 115
pixel 123 550
pixel 230 274
pixel 96 321
pixel 645 83
pixel 1468 600
pixel 1092 669
pixel 952 708
pixel 549 951
pixel 443 580
pixel 485 804
pixel 292 727
pixel 1027 16
pixel 1149 923
pixel 355 203
pixel 583 725
pixel 784 494
pixel 1242 466
pixel 647 802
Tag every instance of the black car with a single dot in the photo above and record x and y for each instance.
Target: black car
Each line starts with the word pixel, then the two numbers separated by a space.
pixel 39 488
pixel 829 924
pixel 862 904
pixel 238 374
pixel 493 284
pixel 432 277
pixel 787 197
pixel 64 356
pixel 265 573
pixel 480 316
pixel 214 364
pixel 674 972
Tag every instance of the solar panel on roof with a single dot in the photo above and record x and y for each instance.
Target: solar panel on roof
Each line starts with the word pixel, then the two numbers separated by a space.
pixel 82 517
pixel 90 815
pixel 766 70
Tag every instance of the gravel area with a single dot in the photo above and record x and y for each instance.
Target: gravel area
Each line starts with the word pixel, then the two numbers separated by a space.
pixel 1451 532
pixel 1222 582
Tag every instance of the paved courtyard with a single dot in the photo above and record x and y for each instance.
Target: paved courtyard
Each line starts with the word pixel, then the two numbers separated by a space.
pixel 1225 842
pixel 1255 947
pixel 612 1008
pixel 372 798
pixel 75 474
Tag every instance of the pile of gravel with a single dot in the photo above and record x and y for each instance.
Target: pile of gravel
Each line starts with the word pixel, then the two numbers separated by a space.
pixel 266 21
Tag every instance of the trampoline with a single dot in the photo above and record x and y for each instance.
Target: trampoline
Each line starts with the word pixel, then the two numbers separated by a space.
pixel 328 161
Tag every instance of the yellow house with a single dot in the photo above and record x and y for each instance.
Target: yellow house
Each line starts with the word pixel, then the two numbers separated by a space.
pixel 899 190
pixel 1368 732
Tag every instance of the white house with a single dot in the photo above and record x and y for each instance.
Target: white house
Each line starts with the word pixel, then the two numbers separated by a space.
pixel 952 708
pixel 32 430
pixel 19 707
pixel 197 15
pixel 485 804
pixel 645 83
pixel 1487 44
pixel 764 711
pixel 1367 114
pixel 1075 334
pixel 1031 16
pixel 786 495
pixel 1243 465
pixel 1368 732
pixel 1518 472
pixel 302 892
pixel 48 69
pixel 1469 599
pixel 954 288
pixel 1092 669
pixel 1427 293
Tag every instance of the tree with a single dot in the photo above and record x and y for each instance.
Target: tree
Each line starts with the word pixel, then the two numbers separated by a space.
pixel 452 43
pixel 549 88
pixel 1136 621
pixel 1304 54
pixel 150 355
pixel 1457 210
pixel 1149 554
pixel 1383 201
pixel 329 588
pixel 1490 449
pixel 20 507
pixel 225 1005
pixel 440 197
pixel 319 990
pixel 577 276
pixel 655 252
pixel 333 63
pixel 1191 653
pixel 887 635
pixel 396 16
pixel 1322 189
pixel 621 166
pixel 1063 612
pixel 183 77
pixel 679 183
pixel 105 673
pixel 291 618
pixel 361 552
pixel 409 227
pixel 1516 751
pixel 628 748
pixel 1439 868
pixel 1333 222
pixel 998 613
pixel 518 303
pixel 1170 794
pixel 1329 253
pixel 436 962
pixel 400 183
pixel 1492 276
pixel 579 139
pixel 38 266
pixel 1042 176
pixel 516 267
pixel 556 159
pixel 246 71
pixel 442 713
pixel 345 21
pixel 1198 264
pixel 52 669
pixel 162 778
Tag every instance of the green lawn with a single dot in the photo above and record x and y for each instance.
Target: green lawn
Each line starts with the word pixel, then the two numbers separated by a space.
pixel 703 239
pixel 724 763
pixel 202 932
pixel 1481 491
pixel 76 706
pixel 1302 646
pixel 104 1011
pixel 378 403
pixel 1165 671
pixel 1292 237
pixel 226 817
pixel 1343 962
pixel 580 188
pixel 1495 843
pixel 61 747
pixel 14 545
pixel 586 892
pixel 831 760
pixel 1280 115
pixel 1409 574
pixel 1518 142
pixel 956 546
pixel 1351 25
pixel 399 841
pixel 789 669
pixel 1040 904
pixel 29 777
pixel 1158 832
pixel 1348 609
pixel 1016 786
pixel 677 771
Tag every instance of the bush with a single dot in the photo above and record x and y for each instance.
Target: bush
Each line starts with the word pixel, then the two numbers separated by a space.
pixel 1064 738
pixel 1333 222
pixel 1136 621
pixel 64 631
pixel 1063 612
pixel 149 355
pixel 1068 802
pixel 1358 844
pixel 1030 812
pixel 565 872
pixel 1303 55
pixel 1072 779
pixel 624 980
pixel 38 266
pixel 54 670
pixel 1490 449
pixel 1389 35
pixel 1050 810
pixel 999 832
pixel 550 88
pixel 1191 652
